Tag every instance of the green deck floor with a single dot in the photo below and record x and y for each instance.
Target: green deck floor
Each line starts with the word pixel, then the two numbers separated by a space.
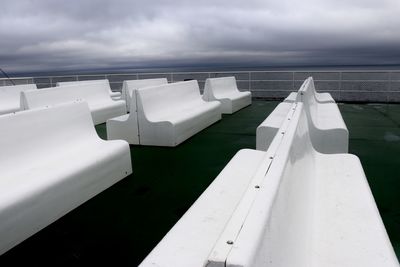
pixel 123 224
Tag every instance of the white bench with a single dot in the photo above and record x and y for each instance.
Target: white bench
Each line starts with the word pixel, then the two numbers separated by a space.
pixel 100 103
pixel 319 97
pixel 225 90
pixel 10 97
pixel 129 86
pixel 329 133
pixel 52 161
pixel 311 209
pixel 288 206
pixel 105 83
pixel 169 114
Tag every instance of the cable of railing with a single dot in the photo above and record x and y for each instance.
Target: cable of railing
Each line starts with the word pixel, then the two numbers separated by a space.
pixel 8 77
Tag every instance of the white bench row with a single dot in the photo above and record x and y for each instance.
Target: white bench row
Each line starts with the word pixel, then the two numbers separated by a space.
pixel 52 160
pixel 165 114
pixel 287 206
pixel 327 127
pixel 10 97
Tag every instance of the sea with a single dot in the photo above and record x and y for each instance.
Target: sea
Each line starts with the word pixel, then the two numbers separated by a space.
pixel 211 68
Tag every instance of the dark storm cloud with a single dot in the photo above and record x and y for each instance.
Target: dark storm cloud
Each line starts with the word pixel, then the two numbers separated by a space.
pixel 53 34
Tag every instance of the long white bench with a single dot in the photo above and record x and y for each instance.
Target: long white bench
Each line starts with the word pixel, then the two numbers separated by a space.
pixel 327 127
pixel 51 161
pixel 169 114
pixel 225 90
pixel 288 206
pixel 105 83
pixel 319 97
pixel 311 209
pixel 129 87
pixel 10 97
pixel 100 103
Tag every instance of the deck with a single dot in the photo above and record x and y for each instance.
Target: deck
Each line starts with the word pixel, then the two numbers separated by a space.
pixel 123 224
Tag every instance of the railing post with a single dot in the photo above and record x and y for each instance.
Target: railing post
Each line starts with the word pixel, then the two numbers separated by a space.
pixel 250 81
pixel 390 86
pixel 293 89
pixel 340 85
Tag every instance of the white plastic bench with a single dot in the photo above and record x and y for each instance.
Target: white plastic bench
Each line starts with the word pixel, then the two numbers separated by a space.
pixel 100 103
pixel 319 97
pixel 328 130
pixel 225 90
pixel 10 97
pixel 105 83
pixel 129 86
pixel 311 209
pixel 288 206
pixel 52 161
pixel 169 114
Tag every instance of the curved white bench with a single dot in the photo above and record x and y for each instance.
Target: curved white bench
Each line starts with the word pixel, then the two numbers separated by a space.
pixel 319 97
pixel 169 114
pixel 311 209
pixel 51 161
pixel 328 131
pixel 105 83
pixel 289 206
pixel 101 105
pixel 10 97
pixel 129 86
pixel 225 90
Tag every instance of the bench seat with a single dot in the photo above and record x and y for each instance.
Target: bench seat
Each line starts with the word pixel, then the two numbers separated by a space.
pixel 191 239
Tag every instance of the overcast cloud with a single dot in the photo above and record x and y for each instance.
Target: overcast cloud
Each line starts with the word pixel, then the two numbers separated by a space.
pixel 55 34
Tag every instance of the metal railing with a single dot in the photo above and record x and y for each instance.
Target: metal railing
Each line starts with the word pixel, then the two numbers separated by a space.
pixel 352 85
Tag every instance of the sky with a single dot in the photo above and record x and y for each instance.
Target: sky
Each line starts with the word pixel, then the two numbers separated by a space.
pixel 66 35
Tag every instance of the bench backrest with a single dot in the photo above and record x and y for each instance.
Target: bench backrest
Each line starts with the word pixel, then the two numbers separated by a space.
pixel 91 93
pixel 278 223
pixel 129 86
pixel 153 101
pixel 12 93
pixel 103 83
pixel 286 202
pixel 219 86
pixel 38 133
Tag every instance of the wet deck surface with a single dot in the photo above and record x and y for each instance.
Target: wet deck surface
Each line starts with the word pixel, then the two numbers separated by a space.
pixel 123 224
